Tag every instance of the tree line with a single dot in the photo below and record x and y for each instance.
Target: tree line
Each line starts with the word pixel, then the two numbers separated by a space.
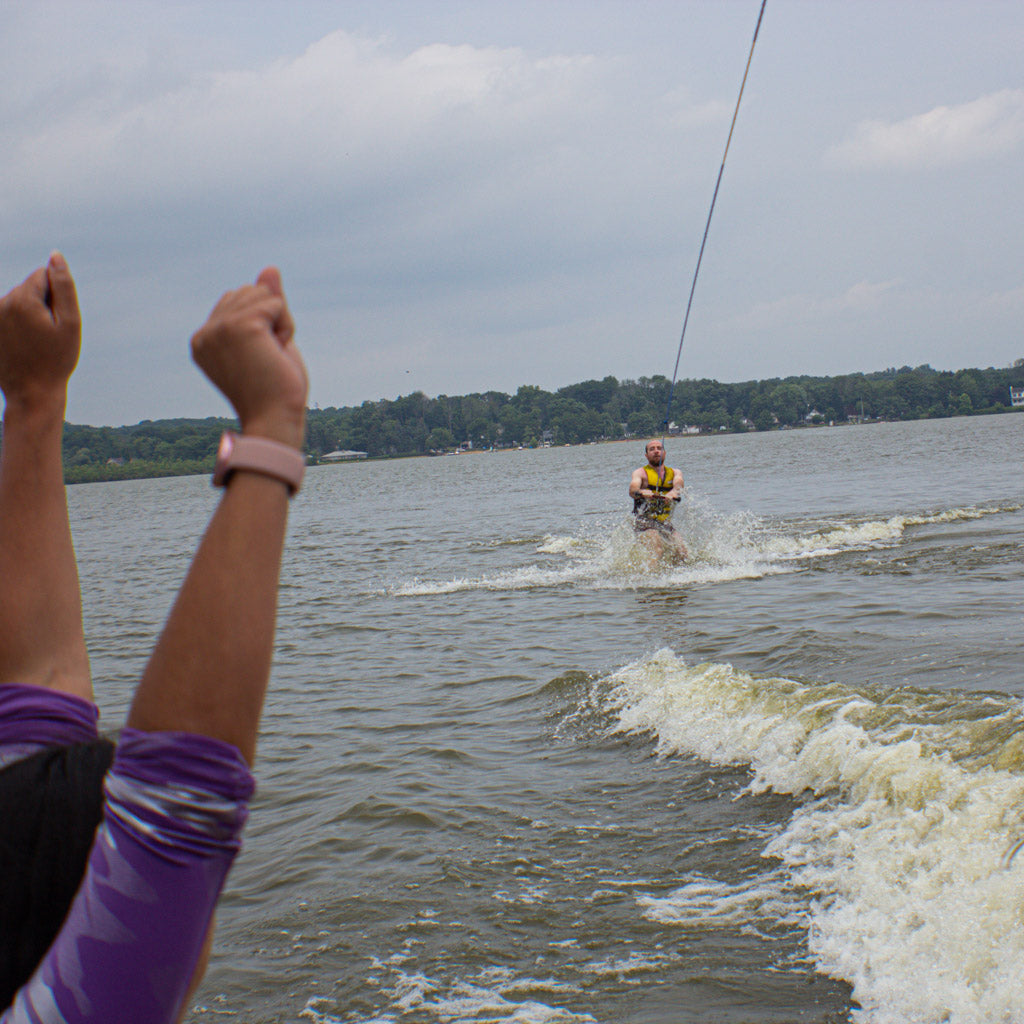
pixel 591 410
pixel 596 410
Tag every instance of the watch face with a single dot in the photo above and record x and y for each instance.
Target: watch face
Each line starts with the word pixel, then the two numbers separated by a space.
pixel 220 470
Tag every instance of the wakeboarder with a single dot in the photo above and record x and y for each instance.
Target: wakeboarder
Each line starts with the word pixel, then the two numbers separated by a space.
pixel 655 488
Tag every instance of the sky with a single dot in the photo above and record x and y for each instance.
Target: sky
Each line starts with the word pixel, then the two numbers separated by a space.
pixel 473 195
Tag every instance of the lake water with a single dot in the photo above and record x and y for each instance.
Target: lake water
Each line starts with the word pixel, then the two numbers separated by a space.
pixel 508 774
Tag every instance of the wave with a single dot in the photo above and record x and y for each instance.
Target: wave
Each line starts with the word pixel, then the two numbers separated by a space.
pixel 723 548
pixel 872 533
pixel 494 995
pixel 898 862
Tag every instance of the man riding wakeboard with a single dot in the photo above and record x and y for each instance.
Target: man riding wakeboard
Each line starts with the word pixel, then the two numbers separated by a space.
pixel 655 488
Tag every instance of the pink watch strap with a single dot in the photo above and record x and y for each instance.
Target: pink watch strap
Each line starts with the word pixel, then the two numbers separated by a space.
pixel 259 455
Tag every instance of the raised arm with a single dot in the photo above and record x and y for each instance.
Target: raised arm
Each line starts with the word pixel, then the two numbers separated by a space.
pixel 41 640
pixel 209 671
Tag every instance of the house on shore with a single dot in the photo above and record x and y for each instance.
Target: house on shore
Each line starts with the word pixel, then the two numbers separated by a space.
pixel 342 456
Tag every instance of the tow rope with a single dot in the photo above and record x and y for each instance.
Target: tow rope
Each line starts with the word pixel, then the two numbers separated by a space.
pixel 700 255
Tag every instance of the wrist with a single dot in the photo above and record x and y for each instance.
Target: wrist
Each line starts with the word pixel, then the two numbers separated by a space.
pixel 258 454
pixel 38 408
pixel 284 429
pixel 39 399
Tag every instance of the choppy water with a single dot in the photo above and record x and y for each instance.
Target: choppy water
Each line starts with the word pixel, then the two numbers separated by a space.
pixel 508 775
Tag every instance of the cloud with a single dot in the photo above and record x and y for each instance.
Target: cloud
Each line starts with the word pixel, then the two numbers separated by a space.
pixel 682 110
pixel 1009 302
pixel 346 113
pixel 431 193
pixel 982 129
pixel 524 208
pixel 863 297
pixel 394 164
pixel 345 118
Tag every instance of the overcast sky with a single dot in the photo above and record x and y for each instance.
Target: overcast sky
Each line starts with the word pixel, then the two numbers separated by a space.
pixel 472 195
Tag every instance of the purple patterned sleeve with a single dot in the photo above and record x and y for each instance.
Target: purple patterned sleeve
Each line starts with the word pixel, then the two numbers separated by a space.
pixel 175 806
pixel 33 717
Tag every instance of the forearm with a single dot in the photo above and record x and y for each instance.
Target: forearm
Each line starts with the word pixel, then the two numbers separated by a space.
pixel 209 671
pixel 41 639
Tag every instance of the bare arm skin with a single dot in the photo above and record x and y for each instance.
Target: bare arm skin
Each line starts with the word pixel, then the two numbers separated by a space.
pixel 676 493
pixel 41 638
pixel 211 666
pixel 636 484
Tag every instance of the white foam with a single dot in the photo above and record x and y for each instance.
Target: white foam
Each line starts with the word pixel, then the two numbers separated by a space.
pixel 483 999
pixel 577 546
pixel 316 1010
pixel 487 997
pixel 903 853
pixel 527 578
pixel 632 966
pixel 870 533
pixel 525 896
pixel 706 901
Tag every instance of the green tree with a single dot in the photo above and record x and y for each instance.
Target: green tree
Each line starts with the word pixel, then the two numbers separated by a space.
pixel 643 424
pixel 440 439
pixel 789 402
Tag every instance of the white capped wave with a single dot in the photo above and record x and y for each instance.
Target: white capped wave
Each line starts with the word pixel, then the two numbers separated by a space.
pixel 898 869
pixel 869 533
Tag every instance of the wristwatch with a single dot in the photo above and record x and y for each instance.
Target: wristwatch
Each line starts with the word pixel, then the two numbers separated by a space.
pixel 260 455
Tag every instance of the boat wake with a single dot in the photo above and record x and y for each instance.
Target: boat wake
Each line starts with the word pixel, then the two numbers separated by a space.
pixel 898 862
pixel 724 547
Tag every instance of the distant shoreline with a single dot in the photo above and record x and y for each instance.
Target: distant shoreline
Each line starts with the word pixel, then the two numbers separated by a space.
pixel 607 410
pixel 144 470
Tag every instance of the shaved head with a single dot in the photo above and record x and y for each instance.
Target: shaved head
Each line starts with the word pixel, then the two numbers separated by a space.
pixel 655 452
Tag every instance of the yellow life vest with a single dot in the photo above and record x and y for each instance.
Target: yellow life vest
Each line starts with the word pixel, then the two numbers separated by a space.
pixel 658 507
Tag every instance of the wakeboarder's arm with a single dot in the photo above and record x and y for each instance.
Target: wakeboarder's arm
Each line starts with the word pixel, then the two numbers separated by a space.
pixel 636 484
pixel 676 494
pixel 41 637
